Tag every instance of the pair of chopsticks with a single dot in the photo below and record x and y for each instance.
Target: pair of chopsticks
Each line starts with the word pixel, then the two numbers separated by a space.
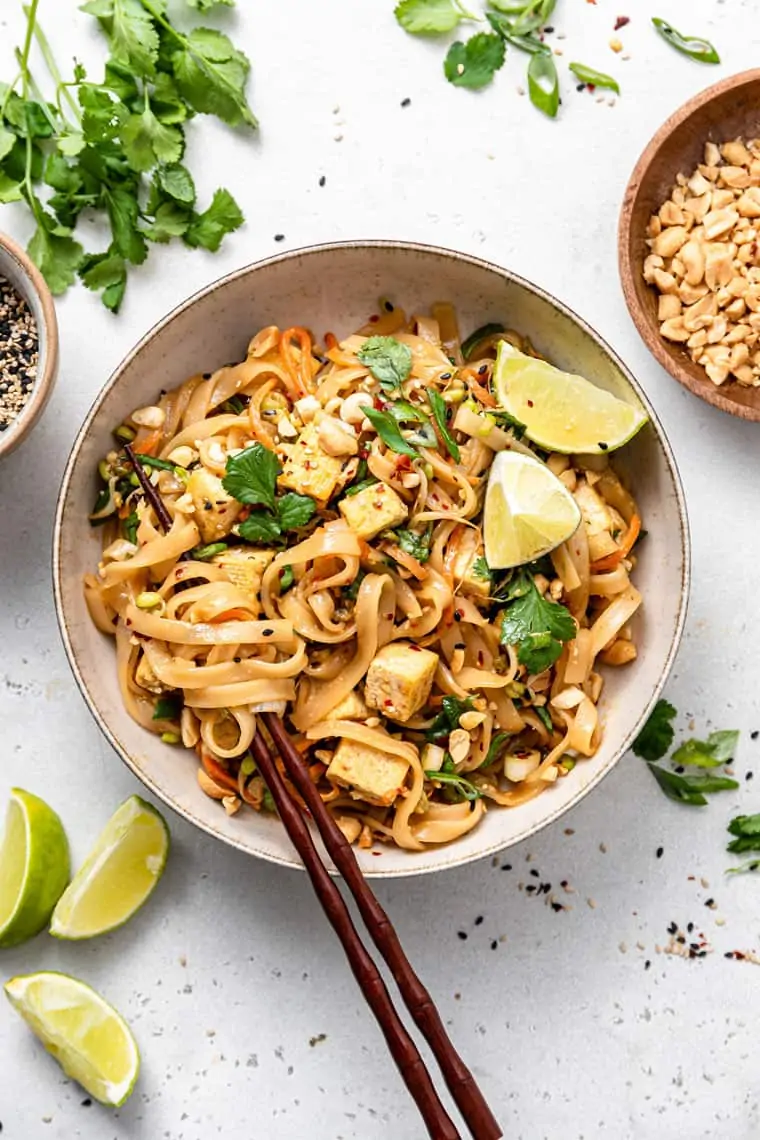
pixel 459 1080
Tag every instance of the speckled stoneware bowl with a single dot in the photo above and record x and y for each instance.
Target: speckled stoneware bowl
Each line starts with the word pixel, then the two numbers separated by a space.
pixel 335 287
pixel 17 268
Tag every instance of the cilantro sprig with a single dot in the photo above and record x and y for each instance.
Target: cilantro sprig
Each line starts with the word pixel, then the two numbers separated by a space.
pixel 458 787
pixel 388 360
pixel 655 741
pixel 534 626
pixel 656 737
pixel 251 478
pixel 115 146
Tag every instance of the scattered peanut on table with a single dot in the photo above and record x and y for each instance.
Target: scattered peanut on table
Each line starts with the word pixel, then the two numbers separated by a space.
pixel 705 262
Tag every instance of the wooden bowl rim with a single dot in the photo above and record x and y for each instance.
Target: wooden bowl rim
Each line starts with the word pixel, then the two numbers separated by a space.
pixel 647 329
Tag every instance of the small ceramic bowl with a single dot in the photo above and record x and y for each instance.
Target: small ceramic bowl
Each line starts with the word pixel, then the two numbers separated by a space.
pixel 26 278
pixel 336 287
pixel 729 110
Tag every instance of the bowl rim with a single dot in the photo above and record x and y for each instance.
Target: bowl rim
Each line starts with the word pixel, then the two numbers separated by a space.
pixel 454 859
pixel 629 272
pixel 47 364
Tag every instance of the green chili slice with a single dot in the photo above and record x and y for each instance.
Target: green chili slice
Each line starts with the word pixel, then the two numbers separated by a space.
pixel 594 78
pixel 543 83
pixel 694 46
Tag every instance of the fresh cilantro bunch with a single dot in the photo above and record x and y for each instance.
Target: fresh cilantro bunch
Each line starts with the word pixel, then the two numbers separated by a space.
pixel 535 626
pixel 251 478
pixel 655 741
pixel 114 148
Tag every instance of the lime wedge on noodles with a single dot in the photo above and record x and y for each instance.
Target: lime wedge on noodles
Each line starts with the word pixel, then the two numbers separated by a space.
pixel 118 875
pixel 88 1038
pixel 34 867
pixel 561 411
pixel 527 511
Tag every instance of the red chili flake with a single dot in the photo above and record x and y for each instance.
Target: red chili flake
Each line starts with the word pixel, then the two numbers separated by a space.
pixel 363 453
pixel 377 506
pixel 374 319
pixel 416 648
pixel 591 87
pixel 530 403
pixel 180 574
pixel 621 22
pixel 480 657
pixel 403 463
pixel 378 404
pixel 388 703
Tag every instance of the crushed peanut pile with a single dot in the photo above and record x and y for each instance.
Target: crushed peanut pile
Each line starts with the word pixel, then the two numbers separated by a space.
pixel 705 262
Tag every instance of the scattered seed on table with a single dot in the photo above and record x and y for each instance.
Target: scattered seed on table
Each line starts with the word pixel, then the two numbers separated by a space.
pixel 18 353
pixel 406 102
pixel 279 237
pixel 323 181
pixel 660 852
pixel 462 934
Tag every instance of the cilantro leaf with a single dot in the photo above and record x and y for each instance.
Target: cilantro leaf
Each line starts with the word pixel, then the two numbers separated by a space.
pixel 718 749
pixel 222 217
pixel 251 476
pixel 167 708
pixel 132 35
pixel 123 210
pixel 690 789
pixel 207 5
pixel 260 526
pixel 7 140
pixel 481 569
pixel 440 415
pixel 170 220
pixel 106 272
pixel 10 189
pixel 656 737
pixel 387 359
pixel 429 17
pixel 387 428
pixel 536 627
pixel 295 510
pixel 448 718
pixel 505 420
pixel 495 748
pixel 146 141
pixel 474 64
pixel 418 545
pixel 168 105
pixel 450 778
pixel 57 257
pixel 177 181
pixel 746 828
pixel 211 74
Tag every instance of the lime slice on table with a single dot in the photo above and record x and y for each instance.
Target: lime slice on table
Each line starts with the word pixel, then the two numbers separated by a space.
pixel 34 867
pixel 118 875
pixel 88 1038
pixel 527 511
pixel 562 412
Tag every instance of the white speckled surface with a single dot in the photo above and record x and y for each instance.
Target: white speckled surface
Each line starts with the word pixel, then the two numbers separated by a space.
pixel 231 970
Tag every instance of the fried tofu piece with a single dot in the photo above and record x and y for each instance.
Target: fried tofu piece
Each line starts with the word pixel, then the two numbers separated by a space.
pixel 244 567
pixel 351 707
pixel 376 775
pixel 215 511
pixel 399 679
pixel 598 521
pixel 308 469
pixel 372 510
pixel 462 567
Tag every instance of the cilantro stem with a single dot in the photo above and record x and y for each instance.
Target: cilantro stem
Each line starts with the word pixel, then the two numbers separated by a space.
pixel 31 17
pixel 55 75
pixel 35 90
pixel 465 14
pixel 31 20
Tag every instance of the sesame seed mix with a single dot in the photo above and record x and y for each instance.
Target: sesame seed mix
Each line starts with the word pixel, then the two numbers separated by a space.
pixel 18 353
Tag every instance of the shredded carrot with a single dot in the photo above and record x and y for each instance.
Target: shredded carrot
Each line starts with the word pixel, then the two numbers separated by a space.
pixel 217 773
pixel 612 561
pixel 244 514
pixel 254 414
pixel 299 369
pixel 147 445
pixel 481 394
pixel 124 511
pixel 331 340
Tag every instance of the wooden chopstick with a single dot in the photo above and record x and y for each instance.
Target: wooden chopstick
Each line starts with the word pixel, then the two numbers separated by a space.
pixel 460 1081
pixel 403 1050
pixel 150 492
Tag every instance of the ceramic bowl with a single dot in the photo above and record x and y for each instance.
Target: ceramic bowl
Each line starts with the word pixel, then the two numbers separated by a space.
pixel 26 278
pixel 335 287
pixel 729 110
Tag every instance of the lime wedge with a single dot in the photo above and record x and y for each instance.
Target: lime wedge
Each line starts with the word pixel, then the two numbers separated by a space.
pixel 87 1037
pixel 34 867
pixel 562 412
pixel 118 875
pixel 527 511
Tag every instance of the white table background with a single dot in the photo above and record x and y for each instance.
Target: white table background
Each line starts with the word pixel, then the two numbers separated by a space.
pixel 231 969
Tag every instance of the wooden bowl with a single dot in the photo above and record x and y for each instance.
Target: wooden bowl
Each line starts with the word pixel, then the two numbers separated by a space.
pixel 26 278
pixel 729 110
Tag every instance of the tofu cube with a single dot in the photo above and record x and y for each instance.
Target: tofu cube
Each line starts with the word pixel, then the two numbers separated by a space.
pixel 597 520
pixel 351 707
pixel 244 567
pixel 376 775
pixel 308 469
pixel 215 511
pixel 372 510
pixel 469 549
pixel 399 679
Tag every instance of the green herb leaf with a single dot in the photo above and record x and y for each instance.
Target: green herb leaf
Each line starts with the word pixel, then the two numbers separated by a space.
pixel 295 510
pixel 211 75
pixel 286 579
pixel 260 527
pixel 123 210
pixel 146 141
pixel 362 485
pixel 534 16
pixel 170 220
pixel 387 428
pixel 251 476
pixel 131 32
pixel 58 258
pixel 388 360
pixel 418 545
pixel 7 140
pixel 544 716
pixel 529 42
pixel 10 189
pixel 429 17
pixel 690 789
pixel 495 748
pixel 481 569
pixel 656 737
pixel 106 274
pixel 464 788
pixel 746 828
pixel 507 421
pixel 752 865
pixel 207 5
pixel 222 217
pixel 129 525
pixel 206 553
pixel 448 718
pixel 440 415
pixel 535 626
pixel 177 181
pixel 719 748
pixel 694 46
pixel 351 592
pixel 474 64
pixel 543 83
pixel 405 413
pixel 473 340
pixel 167 708
pixel 594 78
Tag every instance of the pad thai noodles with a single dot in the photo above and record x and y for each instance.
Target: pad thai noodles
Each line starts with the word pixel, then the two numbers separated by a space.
pixel 325 561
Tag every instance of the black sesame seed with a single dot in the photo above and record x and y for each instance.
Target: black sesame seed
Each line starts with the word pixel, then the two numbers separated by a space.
pixel 754 735
pixel 445 376
pixel 690 927
pixel 406 102
pixel 279 237
pixel 323 181
pixel 86 1102
pixel 749 776
pixel 457 615
pixel 482 370
pixel 709 902
pixel 506 866
pixel 462 934
pixel 237 660
pixel 548 31
pixel 388 306
pixel 206 375
pixel 681 938
pixel 660 852
pixel 647 964
pixel 580 87
pixel 494 944
pixel 673 928
pixel 479 920
pixel 729 954
pixel 267 633
pixel 557 907
pixel 535 873
pixel 604 447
